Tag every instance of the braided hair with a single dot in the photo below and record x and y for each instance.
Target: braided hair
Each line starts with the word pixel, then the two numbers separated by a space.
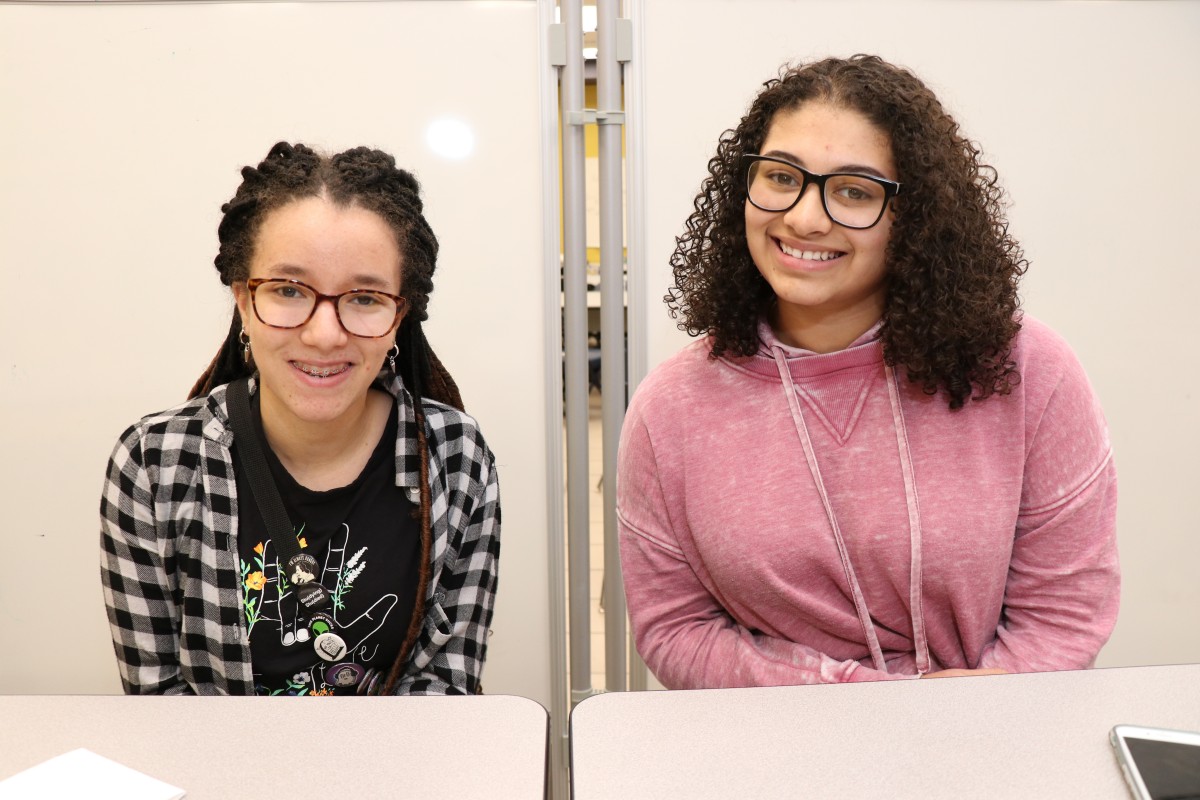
pixel 951 303
pixel 371 180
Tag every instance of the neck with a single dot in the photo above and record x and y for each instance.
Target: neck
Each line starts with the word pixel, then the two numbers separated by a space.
pixel 818 332
pixel 326 454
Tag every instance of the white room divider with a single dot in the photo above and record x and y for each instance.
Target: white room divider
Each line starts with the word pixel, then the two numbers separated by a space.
pixel 1088 110
pixel 124 127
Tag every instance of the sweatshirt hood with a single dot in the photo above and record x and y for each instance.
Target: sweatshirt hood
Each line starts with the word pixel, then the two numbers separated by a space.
pixel 866 349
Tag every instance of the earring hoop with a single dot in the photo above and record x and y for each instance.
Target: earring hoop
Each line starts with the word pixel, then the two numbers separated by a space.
pixel 395 351
pixel 244 340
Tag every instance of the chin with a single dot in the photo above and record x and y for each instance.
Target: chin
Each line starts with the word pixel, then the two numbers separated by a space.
pixel 316 405
pixel 329 410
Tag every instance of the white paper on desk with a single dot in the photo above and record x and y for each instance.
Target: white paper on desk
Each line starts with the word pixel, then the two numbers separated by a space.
pixel 82 773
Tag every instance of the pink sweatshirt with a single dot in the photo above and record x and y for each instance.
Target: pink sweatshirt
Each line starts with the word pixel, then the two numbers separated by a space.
pixel 983 537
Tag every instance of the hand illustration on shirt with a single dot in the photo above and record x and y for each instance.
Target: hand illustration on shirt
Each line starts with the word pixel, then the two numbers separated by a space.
pixel 341 573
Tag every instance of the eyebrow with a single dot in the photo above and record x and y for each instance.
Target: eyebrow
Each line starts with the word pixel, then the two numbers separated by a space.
pixel 361 281
pixel 862 169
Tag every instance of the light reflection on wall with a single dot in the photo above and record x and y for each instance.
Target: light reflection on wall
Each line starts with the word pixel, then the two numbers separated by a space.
pixel 450 138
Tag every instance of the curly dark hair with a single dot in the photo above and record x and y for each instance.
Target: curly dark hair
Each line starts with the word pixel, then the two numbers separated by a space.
pixel 368 179
pixel 951 308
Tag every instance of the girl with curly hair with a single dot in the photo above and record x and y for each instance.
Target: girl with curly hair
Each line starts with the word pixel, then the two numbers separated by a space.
pixel 385 487
pixel 871 466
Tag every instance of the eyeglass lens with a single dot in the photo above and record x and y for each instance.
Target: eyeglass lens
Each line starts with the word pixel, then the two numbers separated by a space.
pixel 855 201
pixel 288 305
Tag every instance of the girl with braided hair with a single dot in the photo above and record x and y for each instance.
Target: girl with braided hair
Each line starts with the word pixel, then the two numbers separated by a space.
pixel 872 466
pixel 389 489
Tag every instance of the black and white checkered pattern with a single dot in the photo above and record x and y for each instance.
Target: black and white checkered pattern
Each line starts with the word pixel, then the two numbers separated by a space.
pixel 169 555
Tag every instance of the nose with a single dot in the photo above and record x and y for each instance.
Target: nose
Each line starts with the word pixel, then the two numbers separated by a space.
pixel 808 215
pixel 323 329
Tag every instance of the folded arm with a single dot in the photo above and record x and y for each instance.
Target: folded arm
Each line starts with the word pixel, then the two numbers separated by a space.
pixel 685 635
pixel 1063 587
pixel 690 641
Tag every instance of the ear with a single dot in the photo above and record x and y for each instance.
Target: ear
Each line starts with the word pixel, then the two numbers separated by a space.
pixel 241 296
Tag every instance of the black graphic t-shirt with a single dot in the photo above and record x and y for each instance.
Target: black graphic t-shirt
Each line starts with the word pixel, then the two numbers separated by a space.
pixel 367 541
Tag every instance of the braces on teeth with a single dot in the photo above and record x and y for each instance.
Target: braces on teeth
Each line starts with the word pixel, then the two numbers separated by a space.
pixel 321 373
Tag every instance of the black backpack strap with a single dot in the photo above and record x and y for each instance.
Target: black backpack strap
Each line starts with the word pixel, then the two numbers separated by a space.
pixel 252 459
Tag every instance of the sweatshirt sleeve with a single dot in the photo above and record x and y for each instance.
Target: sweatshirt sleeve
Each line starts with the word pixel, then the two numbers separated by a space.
pixel 686 637
pixel 1063 587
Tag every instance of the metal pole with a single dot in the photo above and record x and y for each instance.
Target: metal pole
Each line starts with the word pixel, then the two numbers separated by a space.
pixel 560 707
pixel 639 298
pixel 575 348
pixel 610 119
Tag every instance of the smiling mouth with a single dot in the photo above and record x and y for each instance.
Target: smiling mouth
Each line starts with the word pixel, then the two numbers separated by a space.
pixel 810 255
pixel 320 372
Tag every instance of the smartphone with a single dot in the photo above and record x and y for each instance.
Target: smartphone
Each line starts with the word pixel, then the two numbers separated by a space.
pixel 1159 764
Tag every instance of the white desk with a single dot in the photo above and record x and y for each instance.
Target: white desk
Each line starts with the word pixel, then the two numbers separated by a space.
pixel 1007 736
pixel 217 748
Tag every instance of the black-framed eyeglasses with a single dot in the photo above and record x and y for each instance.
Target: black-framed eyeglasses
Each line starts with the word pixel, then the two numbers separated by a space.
pixel 850 199
pixel 287 303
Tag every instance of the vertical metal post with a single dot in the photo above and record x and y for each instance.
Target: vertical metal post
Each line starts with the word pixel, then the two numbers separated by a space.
pixel 575 348
pixel 551 59
pixel 610 119
pixel 638 297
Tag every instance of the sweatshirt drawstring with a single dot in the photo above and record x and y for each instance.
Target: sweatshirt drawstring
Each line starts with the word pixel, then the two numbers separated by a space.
pixel 860 603
pixel 921 644
pixel 915 604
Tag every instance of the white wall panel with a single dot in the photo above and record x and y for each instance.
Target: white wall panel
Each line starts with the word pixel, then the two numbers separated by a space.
pixel 124 126
pixel 1089 111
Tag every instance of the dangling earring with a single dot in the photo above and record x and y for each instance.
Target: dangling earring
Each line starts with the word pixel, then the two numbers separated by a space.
pixel 395 351
pixel 245 342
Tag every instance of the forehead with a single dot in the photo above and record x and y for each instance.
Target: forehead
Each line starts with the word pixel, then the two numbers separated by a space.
pixel 828 138
pixel 331 246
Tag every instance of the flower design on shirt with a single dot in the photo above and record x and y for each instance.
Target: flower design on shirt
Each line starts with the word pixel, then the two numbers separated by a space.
pixel 254 582
pixel 297 686
pixel 346 578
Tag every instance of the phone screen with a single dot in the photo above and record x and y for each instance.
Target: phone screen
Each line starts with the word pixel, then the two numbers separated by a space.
pixel 1170 770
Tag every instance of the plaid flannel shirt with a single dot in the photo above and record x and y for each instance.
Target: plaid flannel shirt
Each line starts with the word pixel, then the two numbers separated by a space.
pixel 169 554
